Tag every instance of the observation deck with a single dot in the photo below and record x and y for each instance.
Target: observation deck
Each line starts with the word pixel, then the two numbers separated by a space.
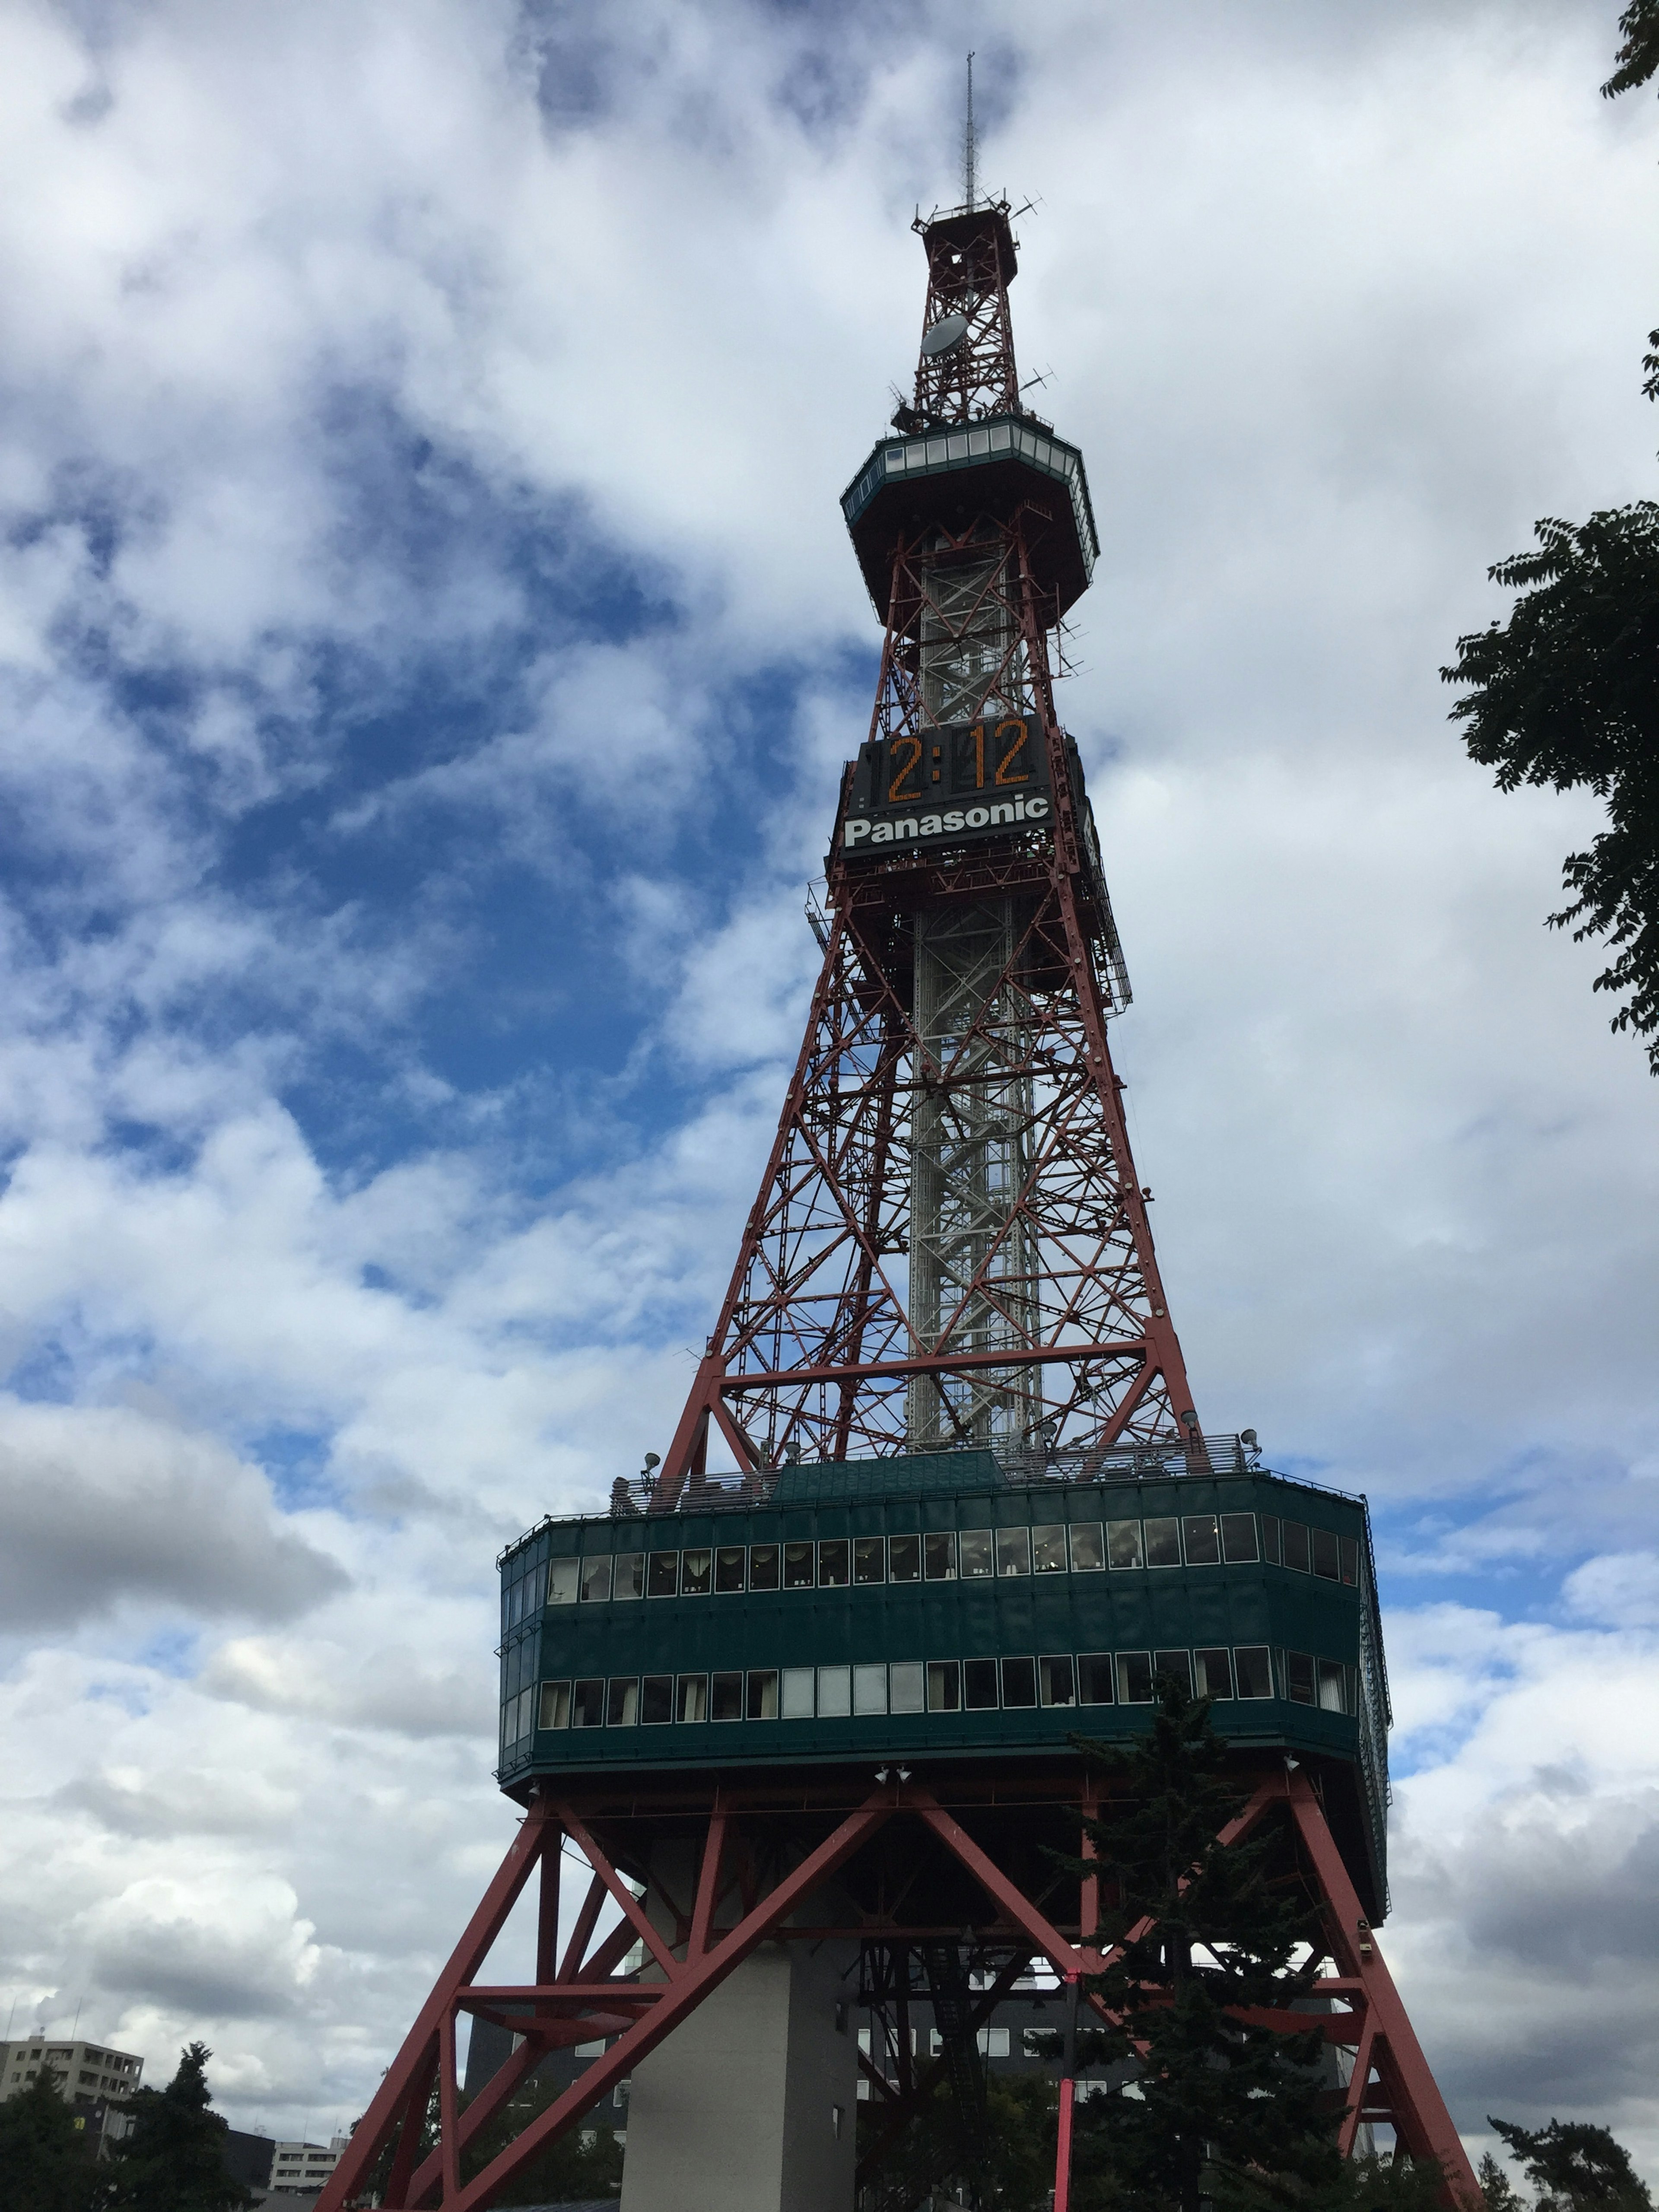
pixel 951 1607
pixel 949 475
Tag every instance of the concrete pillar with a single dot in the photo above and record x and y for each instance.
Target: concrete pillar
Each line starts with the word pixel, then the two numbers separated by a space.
pixel 749 2105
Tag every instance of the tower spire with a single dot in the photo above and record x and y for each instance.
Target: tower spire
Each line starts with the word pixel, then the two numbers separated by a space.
pixel 970 148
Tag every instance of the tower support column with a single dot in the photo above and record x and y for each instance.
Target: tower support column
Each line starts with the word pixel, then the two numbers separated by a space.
pixel 750 2104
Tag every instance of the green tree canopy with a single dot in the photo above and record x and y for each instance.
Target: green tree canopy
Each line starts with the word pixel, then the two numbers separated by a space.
pixel 44 2162
pixel 173 2157
pixel 1208 2106
pixel 1576 2168
pixel 1639 57
pixel 1566 692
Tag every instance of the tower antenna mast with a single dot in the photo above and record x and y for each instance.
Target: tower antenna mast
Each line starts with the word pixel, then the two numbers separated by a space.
pixel 969 147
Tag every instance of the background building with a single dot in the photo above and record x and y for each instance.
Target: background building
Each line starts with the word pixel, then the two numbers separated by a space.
pixel 91 2077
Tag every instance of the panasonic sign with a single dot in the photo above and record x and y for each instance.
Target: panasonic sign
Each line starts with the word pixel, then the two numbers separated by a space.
pixel 948 784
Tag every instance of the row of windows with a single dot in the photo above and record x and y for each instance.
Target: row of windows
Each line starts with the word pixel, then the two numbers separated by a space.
pixel 925 1686
pixel 1193 1540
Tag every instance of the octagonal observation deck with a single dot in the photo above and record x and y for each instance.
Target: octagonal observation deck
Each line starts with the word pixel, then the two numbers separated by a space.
pixel 949 475
pixel 951 1607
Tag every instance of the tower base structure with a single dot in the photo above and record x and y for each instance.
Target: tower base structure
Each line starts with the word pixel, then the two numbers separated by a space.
pixel 951 1855
pixel 750 2104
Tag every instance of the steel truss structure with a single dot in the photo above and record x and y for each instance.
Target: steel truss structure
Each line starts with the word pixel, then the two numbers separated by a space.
pixel 950 1245
pixel 764 1856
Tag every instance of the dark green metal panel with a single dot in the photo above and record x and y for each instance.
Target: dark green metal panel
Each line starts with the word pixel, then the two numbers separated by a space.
pixel 1296 1617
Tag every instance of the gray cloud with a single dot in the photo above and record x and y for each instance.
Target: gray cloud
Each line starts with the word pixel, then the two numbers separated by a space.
pixel 106 1506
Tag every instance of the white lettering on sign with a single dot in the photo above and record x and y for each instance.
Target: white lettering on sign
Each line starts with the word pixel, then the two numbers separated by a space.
pixel 914 828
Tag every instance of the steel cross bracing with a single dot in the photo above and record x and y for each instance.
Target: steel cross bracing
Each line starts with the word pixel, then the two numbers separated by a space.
pixel 950 1245
pixel 970 264
pixel 762 1864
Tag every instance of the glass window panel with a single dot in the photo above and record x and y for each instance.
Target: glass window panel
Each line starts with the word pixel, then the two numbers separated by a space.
pixel 957 447
pixel 763 1704
pixel 596 1578
pixel 1094 1678
pixel 999 438
pixel 1049 1548
pixel 1213 1672
pixel 630 1575
pixel 1176 1664
pixel 798 1693
pixel 1164 1542
pixel 978 442
pixel 1331 1699
pixel 1325 1555
pixel 904 1558
pixel 1252 1670
pixel 870 1559
pixel 514 1603
pixel 527 1701
pixel 905 1686
pixel 1351 1561
pixel 555 1705
pixel 1013 1551
pixel 869 1689
pixel 697 1570
pixel 1019 1681
pixel 834 1563
pixel 1134 1677
pixel 938 1553
pixel 1201 1533
pixel 1272 1547
pixel 1299 1678
pixel 691 1701
pixel 730 1560
pixel 657 1700
pixel 1238 1546
pixel 1123 1543
pixel 1297 1547
pixel 562 1581
pixel 662 1574
pixel 979 1684
pixel 1057 1680
pixel 763 1566
pixel 835 1693
pixel 798 1567
pixel 1088 1546
pixel 726 1697
pixel 944 1686
pixel 623 1707
pixel 977 1564
pixel 587 1705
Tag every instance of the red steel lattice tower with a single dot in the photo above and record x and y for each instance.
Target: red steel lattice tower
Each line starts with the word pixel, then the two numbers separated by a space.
pixel 950 1245
pixel 947 1280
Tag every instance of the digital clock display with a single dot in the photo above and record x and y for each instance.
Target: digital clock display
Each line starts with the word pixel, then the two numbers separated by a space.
pixel 959 782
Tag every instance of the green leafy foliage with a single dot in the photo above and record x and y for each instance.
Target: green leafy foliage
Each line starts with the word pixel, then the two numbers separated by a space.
pixel 568 2170
pixel 1566 692
pixel 1575 2167
pixel 173 2157
pixel 1498 2193
pixel 45 2166
pixel 1208 2105
pixel 1638 58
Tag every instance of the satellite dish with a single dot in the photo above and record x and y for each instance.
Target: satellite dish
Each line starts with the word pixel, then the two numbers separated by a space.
pixel 949 330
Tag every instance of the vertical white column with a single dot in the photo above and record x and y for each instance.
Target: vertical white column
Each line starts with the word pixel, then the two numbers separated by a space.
pixel 749 2105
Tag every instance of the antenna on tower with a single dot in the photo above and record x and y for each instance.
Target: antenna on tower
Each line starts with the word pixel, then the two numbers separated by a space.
pixel 970 146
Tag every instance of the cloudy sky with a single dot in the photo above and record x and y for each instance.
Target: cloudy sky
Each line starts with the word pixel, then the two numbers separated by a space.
pixel 428 639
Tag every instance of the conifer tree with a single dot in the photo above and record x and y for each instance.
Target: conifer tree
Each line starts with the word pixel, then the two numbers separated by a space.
pixel 45 2166
pixel 1208 2105
pixel 173 2157
pixel 1576 2168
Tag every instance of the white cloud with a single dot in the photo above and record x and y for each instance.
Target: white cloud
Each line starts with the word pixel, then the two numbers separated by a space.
pixel 347 349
